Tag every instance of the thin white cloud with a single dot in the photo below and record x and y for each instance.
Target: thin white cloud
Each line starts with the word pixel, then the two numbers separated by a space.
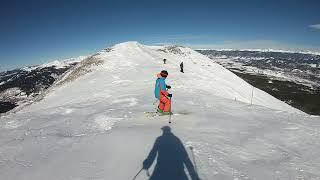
pixel 162 44
pixel 315 26
pixel 255 44
pixel 177 38
pixel 187 37
pixel 196 41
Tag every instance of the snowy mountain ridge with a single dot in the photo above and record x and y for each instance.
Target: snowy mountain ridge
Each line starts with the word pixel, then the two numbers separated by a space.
pixel 202 72
pixel 92 123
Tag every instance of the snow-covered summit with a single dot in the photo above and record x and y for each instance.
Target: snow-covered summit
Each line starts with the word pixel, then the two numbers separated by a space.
pixel 140 63
pixel 135 65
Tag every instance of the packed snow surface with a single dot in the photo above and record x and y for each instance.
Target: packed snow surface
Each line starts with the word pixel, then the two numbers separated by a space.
pixel 95 126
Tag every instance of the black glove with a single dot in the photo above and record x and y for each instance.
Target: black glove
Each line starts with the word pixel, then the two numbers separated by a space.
pixel 168 87
pixel 169 95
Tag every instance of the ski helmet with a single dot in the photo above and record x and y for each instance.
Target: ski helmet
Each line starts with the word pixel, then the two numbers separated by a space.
pixel 164 73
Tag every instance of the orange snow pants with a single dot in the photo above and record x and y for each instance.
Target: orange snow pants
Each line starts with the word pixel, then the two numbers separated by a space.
pixel 164 103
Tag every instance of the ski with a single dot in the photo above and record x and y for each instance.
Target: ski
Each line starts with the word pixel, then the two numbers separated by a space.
pixel 154 113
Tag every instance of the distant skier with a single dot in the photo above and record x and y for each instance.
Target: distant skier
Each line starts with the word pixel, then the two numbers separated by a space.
pixel 164 61
pixel 181 67
pixel 161 93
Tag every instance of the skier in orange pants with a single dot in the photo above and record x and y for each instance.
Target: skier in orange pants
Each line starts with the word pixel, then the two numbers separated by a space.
pixel 161 92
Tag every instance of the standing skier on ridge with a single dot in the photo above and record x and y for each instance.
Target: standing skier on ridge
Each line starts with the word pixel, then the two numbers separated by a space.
pixel 161 93
pixel 181 67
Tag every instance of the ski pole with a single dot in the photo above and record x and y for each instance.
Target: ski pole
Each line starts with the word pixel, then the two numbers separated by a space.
pixel 170 110
pixel 137 174
pixel 194 160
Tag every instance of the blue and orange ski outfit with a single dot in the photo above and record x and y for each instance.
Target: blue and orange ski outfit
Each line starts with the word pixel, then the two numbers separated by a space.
pixel 161 93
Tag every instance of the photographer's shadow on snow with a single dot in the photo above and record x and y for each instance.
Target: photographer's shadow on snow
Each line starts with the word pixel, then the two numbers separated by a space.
pixel 171 158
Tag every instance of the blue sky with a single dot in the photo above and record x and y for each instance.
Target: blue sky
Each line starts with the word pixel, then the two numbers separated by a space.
pixel 37 31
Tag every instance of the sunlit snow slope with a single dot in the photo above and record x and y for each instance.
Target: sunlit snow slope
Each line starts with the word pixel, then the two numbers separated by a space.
pixel 133 66
pixel 91 124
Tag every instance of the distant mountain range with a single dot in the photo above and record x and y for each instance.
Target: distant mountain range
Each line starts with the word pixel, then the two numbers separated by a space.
pixel 290 76
pixel 270 50
pixel 298 67
pixel 21 85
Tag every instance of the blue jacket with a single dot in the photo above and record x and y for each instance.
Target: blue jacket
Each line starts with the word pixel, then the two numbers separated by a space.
pixel 160 84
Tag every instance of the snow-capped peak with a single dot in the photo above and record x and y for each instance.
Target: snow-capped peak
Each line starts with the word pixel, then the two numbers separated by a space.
pixel 63 63
pixel 57 63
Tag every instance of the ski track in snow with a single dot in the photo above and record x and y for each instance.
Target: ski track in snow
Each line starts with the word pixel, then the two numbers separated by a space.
pixel 95 127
